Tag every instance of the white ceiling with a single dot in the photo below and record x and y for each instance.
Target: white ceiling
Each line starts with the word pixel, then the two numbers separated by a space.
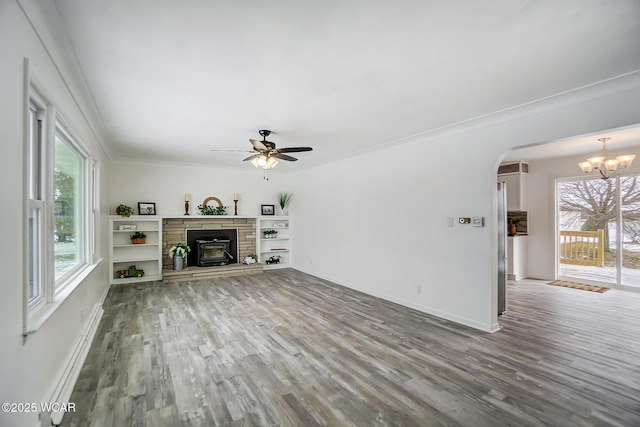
pixel 173 80
pixel 587 145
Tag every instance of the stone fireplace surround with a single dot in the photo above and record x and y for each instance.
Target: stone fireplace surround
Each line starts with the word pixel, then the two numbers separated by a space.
pixel 174 231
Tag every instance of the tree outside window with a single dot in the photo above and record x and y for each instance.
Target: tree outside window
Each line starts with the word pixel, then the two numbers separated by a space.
pixel 589 205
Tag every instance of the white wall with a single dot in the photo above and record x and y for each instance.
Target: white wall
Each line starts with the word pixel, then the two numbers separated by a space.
pixel 31 368
pixel 166 185
pixel 378 222
pixel 541 203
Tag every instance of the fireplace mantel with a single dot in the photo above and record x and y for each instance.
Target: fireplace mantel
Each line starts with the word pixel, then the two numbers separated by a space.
pixel 210 217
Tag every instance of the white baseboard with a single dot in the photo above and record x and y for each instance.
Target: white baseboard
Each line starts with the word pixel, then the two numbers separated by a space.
pixel 67 381
pixel 428 310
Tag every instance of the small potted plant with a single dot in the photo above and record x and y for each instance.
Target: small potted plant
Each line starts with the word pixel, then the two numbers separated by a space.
pixel 283 202
pixel 138 238
pixel 124 210
pixel 270 234
pixel 208 210
pixel 178 252
pixel 513 226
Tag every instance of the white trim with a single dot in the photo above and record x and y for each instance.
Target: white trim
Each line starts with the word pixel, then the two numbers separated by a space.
pixel 66 382
pixel 489 327
pixel 82 208
pixel 54 292
pixel 37 317
pixel 95 210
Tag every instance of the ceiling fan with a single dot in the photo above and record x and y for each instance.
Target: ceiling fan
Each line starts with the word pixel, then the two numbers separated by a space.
pixel 266 153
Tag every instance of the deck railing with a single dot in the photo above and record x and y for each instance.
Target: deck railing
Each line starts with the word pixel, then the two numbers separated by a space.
pixel 582 247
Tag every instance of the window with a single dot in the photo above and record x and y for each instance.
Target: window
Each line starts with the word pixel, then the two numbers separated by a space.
pixel 69 206
pixel 35 205
pixel 599 230
pixel 61 212
pixel 95 211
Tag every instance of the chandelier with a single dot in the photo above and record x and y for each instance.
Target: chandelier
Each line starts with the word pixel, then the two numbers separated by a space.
pixel 603 168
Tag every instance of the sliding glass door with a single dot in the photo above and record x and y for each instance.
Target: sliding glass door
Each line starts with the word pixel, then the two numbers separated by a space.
pixel 599 230
pixel 630 236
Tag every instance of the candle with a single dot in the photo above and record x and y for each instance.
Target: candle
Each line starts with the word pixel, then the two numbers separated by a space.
pixel 186 197
pixel 235 196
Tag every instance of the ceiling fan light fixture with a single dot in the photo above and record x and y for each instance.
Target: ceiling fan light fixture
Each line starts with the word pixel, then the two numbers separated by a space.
pixel 271 163
pixel 266 154
pixel 263 161
pixel 602 167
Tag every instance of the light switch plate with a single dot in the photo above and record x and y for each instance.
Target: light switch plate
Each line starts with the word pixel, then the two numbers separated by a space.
pixel 477 221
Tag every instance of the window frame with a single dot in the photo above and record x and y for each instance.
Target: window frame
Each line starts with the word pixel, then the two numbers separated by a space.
pixel 81 211
pixel 94 220
pixel 34 147
pixel 619 230
pixel 39 183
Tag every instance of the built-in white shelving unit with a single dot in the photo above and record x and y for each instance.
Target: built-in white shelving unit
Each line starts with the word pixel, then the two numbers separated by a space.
pixel 146 256
pixel 280 245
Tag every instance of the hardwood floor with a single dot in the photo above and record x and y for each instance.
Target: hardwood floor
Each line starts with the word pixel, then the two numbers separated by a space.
pixel 286 348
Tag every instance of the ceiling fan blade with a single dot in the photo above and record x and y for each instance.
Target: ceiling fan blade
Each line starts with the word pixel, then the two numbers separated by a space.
pixel 293 149
pixel 251 157
pixel 258 145
pixel 285 157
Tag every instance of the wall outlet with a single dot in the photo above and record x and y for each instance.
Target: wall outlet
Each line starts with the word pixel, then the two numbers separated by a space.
pixel 464 220
pixel 450 221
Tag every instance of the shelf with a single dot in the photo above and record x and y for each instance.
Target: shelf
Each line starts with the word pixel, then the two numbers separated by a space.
pixel 145 256
pixel 133 260
pixel 150 230
pixel 274 266
pixel 149 277
pixel 279 245
pixel 133 231
pixel 136 245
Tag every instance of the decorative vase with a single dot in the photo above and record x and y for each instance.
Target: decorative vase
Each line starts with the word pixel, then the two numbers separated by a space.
pixel 512 229
pixel 138 240
pixel 178 263
pixel 284 211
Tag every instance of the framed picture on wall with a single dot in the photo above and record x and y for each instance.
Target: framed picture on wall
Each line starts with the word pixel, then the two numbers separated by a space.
pixel 146 208
pixel 268 209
